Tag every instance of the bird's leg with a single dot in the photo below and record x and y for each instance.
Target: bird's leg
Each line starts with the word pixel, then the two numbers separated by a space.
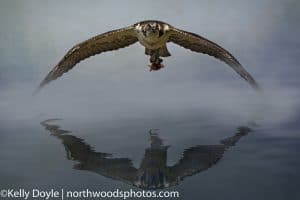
pixel 155 61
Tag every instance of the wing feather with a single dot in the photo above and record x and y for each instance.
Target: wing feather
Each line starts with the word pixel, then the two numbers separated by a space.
pixel 108 41
pixel 202 45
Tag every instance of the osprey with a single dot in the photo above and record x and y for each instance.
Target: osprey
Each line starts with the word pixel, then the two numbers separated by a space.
pixel 154 171
pixel 153 35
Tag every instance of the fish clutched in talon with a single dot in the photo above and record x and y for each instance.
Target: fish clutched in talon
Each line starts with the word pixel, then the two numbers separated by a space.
pixel 156 65
pixel 155 60
pixel 154 36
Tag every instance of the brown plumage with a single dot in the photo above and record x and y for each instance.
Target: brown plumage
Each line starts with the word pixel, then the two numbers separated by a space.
pixel 153 35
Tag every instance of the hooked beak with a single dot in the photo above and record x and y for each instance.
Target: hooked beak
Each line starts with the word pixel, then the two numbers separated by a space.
pixel 153 30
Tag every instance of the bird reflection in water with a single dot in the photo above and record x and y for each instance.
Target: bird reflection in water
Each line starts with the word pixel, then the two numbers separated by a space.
pixel 153 173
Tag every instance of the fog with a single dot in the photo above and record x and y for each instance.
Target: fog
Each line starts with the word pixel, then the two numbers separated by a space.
pixel 114 86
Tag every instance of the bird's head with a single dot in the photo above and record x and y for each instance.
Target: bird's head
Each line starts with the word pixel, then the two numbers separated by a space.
pixel 152 29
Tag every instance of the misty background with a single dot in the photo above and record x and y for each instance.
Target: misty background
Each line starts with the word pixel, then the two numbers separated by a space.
pixel 114 92
pixel 35 35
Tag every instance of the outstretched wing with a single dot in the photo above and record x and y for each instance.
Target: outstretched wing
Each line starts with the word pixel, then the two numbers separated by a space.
pixel 90 160
pixel 202 45
pixel 197 159
pixel 202 157
pixel 108 41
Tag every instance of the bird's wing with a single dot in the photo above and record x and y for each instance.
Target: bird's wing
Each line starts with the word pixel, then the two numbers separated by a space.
pixel 90 160
pixel 202 45
pixel 108 41
pixel 197 159
pixel 202 157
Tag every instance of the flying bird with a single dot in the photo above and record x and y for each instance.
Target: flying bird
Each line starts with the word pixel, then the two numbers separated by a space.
pixel 153 35
pixel 154 172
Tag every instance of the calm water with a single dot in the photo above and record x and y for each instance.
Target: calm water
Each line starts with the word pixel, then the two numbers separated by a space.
pixel 198 158
pixel 193 127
